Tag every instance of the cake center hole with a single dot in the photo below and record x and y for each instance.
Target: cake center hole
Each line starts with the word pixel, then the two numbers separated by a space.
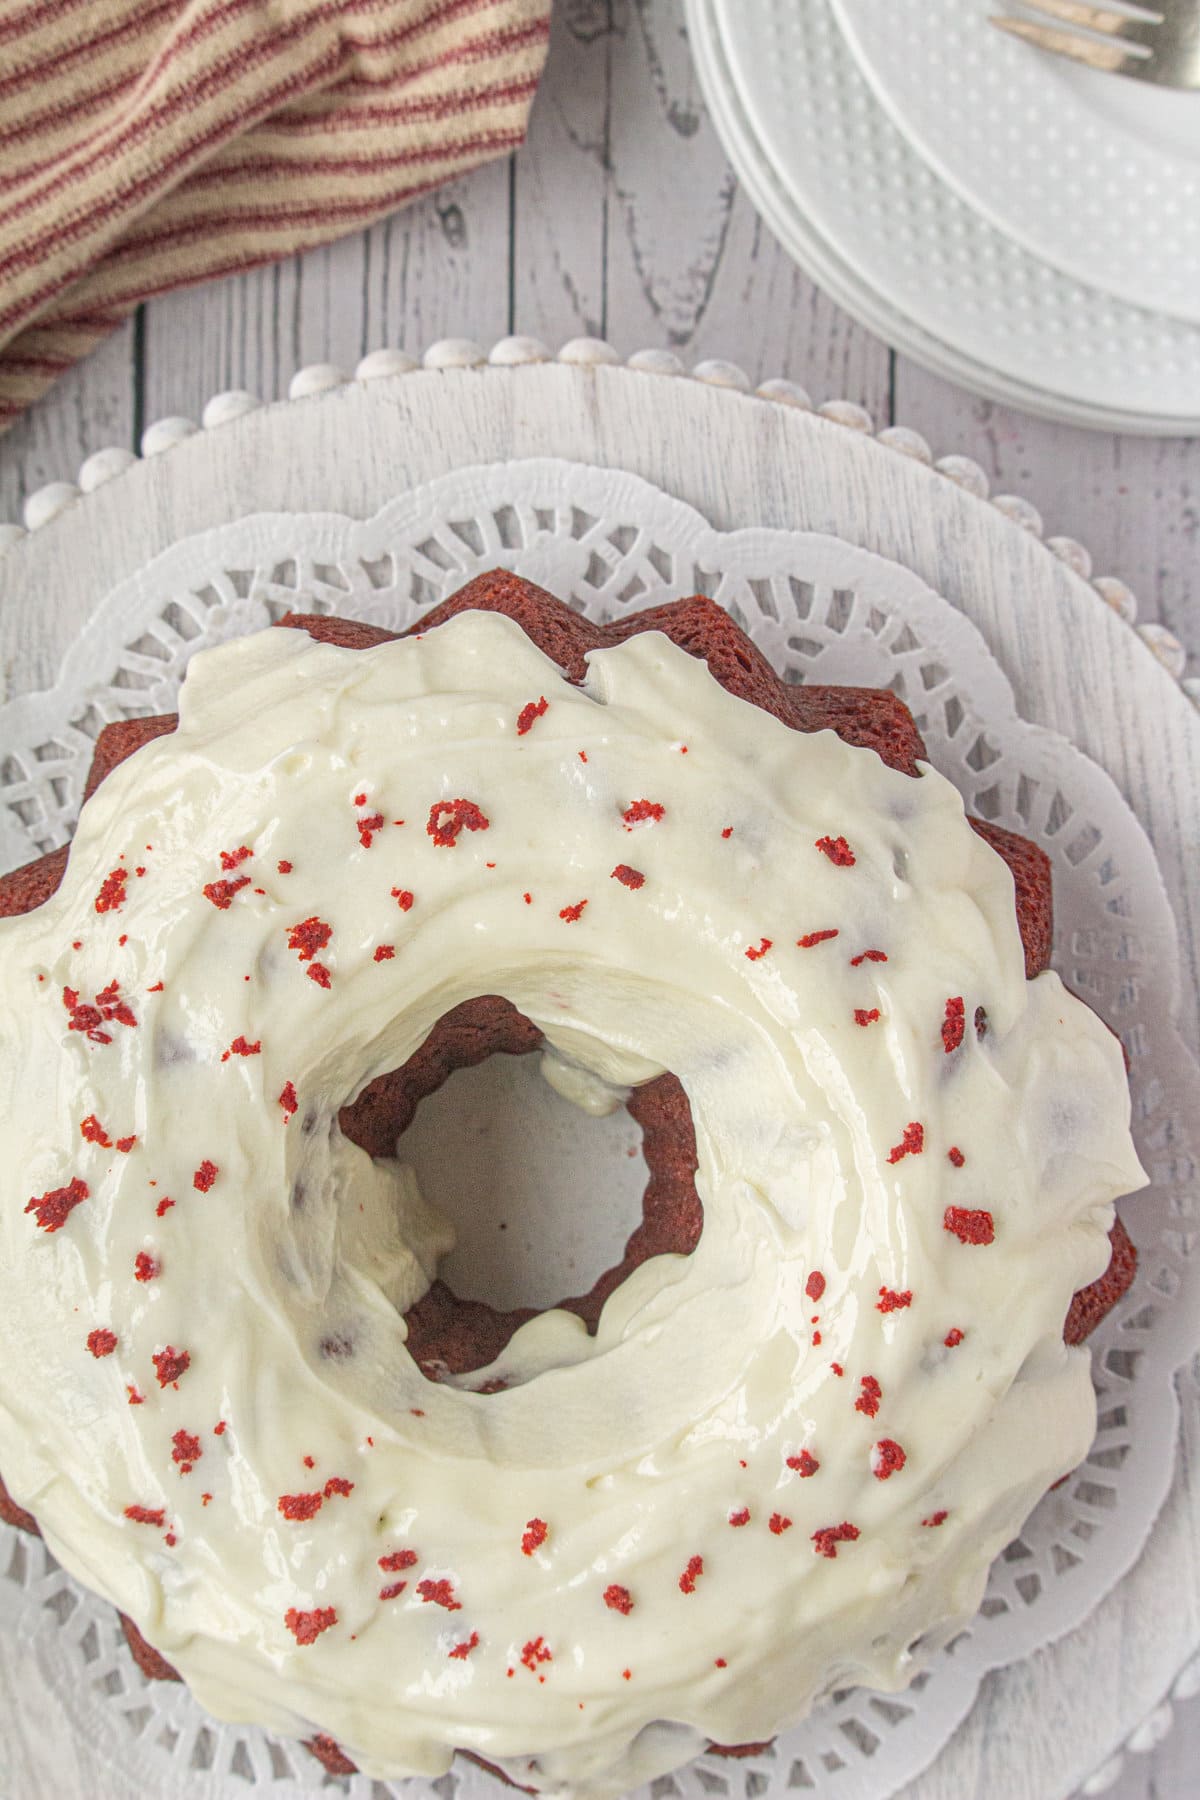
pixel 542 1196
pixel 551 1205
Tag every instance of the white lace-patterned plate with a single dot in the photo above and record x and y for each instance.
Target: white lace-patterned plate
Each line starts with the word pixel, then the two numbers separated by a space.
pixel 1099 177
pixel 822 610
pixel 862 212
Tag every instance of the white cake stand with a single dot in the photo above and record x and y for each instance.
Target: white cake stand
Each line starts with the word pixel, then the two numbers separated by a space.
pixel 1057 1722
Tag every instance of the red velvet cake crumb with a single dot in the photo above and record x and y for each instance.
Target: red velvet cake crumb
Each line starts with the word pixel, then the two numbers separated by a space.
pixel 829 1537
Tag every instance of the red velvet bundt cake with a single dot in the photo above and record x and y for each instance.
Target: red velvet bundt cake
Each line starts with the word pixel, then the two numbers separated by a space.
pixel 809 905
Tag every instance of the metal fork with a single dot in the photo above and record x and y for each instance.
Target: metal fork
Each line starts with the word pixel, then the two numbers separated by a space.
pixel 1160 44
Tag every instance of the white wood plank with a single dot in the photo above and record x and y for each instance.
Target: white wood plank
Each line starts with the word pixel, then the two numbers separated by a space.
pixel 437 269
pixel 90 406
pixel 1134 502
pixel 561 183
pixel 689 263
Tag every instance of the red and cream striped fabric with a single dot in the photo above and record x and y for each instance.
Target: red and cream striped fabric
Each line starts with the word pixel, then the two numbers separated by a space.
pixel 145 144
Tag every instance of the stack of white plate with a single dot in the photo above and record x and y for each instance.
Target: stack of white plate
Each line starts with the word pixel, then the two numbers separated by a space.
pixel 1021 225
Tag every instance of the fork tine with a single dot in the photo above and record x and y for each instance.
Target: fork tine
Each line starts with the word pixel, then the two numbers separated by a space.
pixel 1110 58
pixel 1103 19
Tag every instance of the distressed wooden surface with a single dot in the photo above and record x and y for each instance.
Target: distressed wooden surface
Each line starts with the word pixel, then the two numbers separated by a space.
pixel 621 218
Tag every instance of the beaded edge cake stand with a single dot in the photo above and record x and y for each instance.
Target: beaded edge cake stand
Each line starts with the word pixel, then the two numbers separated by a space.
pixel 1083 668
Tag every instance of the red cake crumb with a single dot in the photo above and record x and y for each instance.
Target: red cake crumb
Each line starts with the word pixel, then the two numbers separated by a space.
pixel 618 1598
pixel 970 1225
pixel 102 1342
pixel 404 898
pixel 528 713
pixel 911 1144
pixel 146 1515
pixel 299 1507
pixel 890 1301
pixel 384 952
pixel 319 973
pixel 956 1156
pixel 328 1752
pixel 937 1518
pixel 284 866
pixel 53 1209
pixel 393 1590
pixel 221 892
pixel 306 1627
pixel 368 828
pixel 687 1581
pixel 887 1459
pixel 778 1523
pixel 643 812
pixel 288 1100
pixel 741 1517
pixel 94 1133
pixel 536 1532
pixel 231 858
pixel 205 1175
pixel 439 1593
pixel 125 1144
pixel 953 1338
pixel 337 1484
pixel 448 818
pixel 572 913
pixel 870 1394
pixel 170 1364
pixel 464 1649
pixel 630 878
pixel 309 936
pixel 108 1009
pixel 814 1287
pixel 187 1451
pixel 398 1559
pixel 829 1537
pixel 534 1652
pixel 954 1024
pixel 804 1463
pixel 755 952
pixel 812 938
pixel 837 850
pixel 240 1047
pixel 868 956
pixel 863 1016
pixel 112 891
pixel 135 1399
pixel 164 1206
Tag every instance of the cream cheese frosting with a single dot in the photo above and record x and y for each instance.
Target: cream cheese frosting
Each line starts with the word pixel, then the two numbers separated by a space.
pixel 784 1462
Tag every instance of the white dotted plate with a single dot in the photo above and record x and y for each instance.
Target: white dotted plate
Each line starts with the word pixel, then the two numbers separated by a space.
pixel 867 218
pixel 1099 176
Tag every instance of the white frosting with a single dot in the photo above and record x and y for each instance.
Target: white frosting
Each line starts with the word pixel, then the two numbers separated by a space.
pixel 285 1281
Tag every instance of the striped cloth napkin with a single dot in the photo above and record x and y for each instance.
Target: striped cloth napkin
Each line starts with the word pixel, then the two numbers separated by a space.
pixel 146 144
